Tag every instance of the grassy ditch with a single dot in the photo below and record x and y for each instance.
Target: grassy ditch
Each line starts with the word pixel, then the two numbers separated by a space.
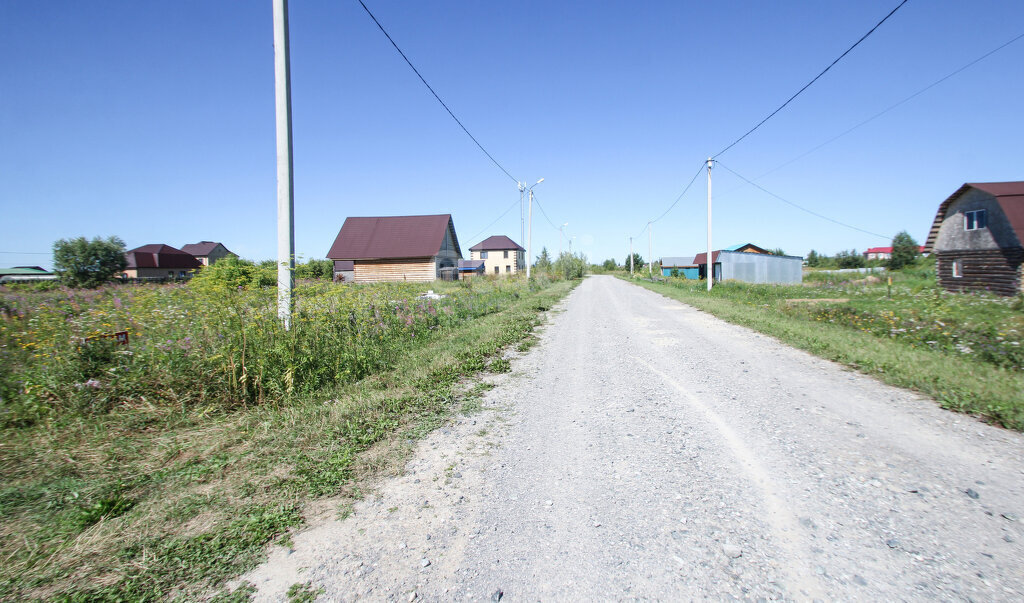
pixel 964 350
pixel 188 456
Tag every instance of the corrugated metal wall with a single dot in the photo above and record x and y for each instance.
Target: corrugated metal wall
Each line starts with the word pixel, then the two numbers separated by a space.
pixel 761 268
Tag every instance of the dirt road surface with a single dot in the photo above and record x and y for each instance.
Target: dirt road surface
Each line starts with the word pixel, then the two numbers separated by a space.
pixel 647 450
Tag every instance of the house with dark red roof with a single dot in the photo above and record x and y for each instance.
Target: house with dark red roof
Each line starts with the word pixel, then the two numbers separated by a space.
pixel 501 255
pixel 882 253
pixel 397 248
pixel 207 252
pixel 157 261
pixel 978 238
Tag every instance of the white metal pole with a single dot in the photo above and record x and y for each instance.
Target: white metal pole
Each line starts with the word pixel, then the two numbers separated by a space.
pixel 630 256
pixel 529 235
pixel 285 187
pixel 522 213
pixel 650 252
pixel 709 260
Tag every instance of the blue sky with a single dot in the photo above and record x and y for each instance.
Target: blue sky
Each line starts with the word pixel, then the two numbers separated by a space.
pixel 154 121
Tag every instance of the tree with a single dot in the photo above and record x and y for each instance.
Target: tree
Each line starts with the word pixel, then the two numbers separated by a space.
pixel 904 251
pixel 570 266
pixel 813 259
pixel 82 263
pixel 543 260
pixel 228 274
pixel 609 264
pixel 638 262
pixel 849 259
pixel 777 251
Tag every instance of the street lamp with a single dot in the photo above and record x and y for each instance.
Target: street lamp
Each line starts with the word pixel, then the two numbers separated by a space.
pixel 529 230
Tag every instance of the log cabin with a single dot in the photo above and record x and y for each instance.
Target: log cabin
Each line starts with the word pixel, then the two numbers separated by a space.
pixel 398 248
pixel 978 238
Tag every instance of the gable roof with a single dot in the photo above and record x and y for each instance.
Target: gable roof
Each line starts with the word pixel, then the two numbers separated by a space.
pixel 701 258
pixel 471 265
pixel 156 255
pixel 202 248
pixel 1009 195
pixel 496 243
pixel 747 248
pixel 375 238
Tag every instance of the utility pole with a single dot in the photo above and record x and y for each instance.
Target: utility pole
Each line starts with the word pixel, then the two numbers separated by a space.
pixel 650 252
pixel 709 262
pixel 529 230
pixel 631 256
pixel 522 211
pixel 285 186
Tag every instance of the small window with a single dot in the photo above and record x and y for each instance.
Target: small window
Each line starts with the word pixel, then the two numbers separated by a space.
pixel 958 269
pixel 508 268
pixel 973 220
pixel 496 270
pixel 506 254
pixel 483 255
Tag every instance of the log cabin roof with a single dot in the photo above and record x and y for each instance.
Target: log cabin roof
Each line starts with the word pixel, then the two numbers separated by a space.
pixel 1009 195
pixel 386 237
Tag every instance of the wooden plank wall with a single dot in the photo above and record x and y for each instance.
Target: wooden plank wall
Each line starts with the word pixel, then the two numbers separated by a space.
pixel 395 270
pixel 995 270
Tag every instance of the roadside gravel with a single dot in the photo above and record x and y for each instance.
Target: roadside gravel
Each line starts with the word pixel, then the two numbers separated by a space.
pixel 648 450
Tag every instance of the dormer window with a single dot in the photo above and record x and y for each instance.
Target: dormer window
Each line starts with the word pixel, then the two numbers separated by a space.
pixel 973 220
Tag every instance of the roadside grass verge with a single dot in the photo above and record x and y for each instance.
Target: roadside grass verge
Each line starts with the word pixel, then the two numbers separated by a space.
pixel 150 500
pixel 962 350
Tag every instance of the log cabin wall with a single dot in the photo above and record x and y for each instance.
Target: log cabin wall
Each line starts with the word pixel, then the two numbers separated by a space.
pixel 995 270
pixel 395 270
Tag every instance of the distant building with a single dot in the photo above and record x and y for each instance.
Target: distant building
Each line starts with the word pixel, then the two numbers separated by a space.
pixel 398 248
pixel 882 253
pixel 501 255
pixel 471 268
pixel 157 261
pixel 684 266
pixel 978 238
pixel 20 274
pixel 751 266
pixel 207 252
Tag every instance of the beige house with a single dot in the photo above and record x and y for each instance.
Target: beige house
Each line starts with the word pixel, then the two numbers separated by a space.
pixel 397 248
pixel 500 254
pixel 207 252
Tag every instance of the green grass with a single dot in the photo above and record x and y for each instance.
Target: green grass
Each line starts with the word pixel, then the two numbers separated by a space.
pixel 964 350
pixel 162 494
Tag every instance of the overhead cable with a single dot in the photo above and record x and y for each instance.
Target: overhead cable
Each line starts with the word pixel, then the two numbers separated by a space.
pixel 893 106
pixel 486 228
pixel 665 213
pixel 808 84
pixel 801 208
pixel 464 129
pixel 544 213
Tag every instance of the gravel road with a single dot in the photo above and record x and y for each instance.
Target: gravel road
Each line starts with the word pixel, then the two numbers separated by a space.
pixel 645 450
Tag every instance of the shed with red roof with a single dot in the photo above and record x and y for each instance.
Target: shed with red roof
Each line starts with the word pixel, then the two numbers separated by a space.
pixel 158 261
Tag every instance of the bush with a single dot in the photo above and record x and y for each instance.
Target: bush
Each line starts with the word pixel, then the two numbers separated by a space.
pixel 229 273
pixel 570 266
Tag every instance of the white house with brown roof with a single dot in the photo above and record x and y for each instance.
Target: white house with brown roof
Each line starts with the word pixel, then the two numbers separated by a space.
pixel 207 252
pixel 397 248
pixel 978 238
pixel 501 255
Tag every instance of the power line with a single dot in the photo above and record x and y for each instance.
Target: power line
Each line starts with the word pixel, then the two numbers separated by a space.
pixel 489 156
pixel 801 208
pixel 665 213
pixel 893 106
pixel 544 213
pixel 808 84
pixel 485 228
